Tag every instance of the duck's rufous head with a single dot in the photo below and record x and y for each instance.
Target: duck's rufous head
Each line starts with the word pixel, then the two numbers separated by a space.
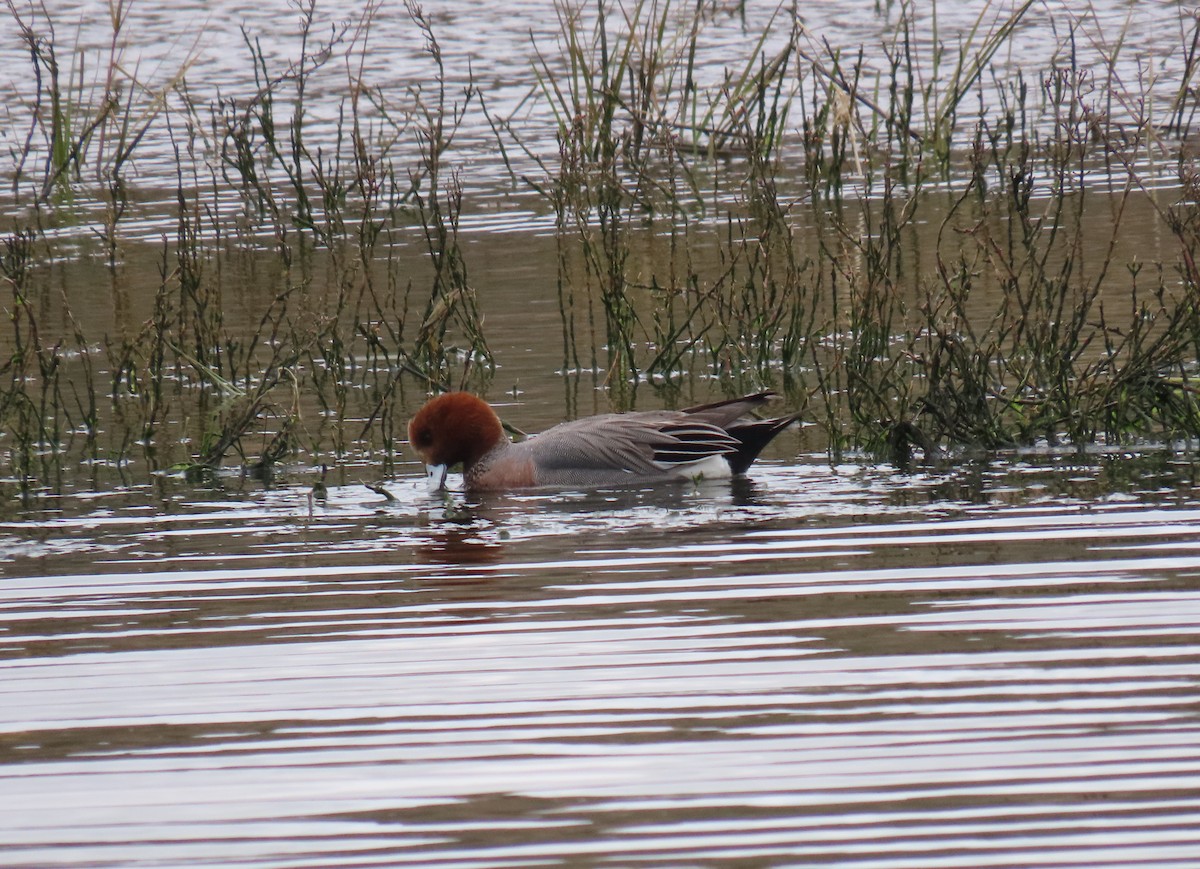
pixel 452 428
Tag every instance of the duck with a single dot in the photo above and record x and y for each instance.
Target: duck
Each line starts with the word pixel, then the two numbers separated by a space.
pixel 709 441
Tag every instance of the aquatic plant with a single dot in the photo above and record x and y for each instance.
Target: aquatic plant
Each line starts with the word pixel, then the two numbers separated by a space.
pixel 921 268
pixel 893 357
pixel 201 377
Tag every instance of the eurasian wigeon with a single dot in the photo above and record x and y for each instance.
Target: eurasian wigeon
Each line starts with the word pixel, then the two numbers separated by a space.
pixel 712 440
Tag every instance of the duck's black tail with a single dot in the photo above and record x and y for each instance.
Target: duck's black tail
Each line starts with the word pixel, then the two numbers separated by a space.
pixel 754 435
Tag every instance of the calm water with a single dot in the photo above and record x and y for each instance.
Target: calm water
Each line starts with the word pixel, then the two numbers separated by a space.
pixel 993 662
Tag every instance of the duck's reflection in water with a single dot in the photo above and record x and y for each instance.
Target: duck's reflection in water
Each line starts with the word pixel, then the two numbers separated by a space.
pixel 479 529
pixel 450 543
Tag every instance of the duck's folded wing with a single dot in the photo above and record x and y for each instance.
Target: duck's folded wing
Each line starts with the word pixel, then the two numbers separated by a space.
pixel 645 445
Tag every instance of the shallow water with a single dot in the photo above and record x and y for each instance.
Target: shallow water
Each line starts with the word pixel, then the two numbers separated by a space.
pixel 988 665
pixel 987 662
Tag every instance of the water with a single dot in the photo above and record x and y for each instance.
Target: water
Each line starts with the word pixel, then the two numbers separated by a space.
pixel 990 665
pixel 987 662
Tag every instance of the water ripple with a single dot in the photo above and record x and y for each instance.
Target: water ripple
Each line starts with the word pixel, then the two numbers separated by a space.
pixel 550 679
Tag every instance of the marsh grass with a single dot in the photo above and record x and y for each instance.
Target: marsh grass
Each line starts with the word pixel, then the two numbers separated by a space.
pixel 1027 329
pixel 918 267
pixel 202 378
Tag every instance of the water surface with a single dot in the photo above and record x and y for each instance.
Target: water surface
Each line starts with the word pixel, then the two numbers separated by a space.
pixel 990 665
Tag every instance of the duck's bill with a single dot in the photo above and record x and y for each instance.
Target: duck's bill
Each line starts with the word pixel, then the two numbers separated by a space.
pixel 436 476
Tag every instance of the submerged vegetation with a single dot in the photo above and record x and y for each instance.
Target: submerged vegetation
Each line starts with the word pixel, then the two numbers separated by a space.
pixel 927 253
